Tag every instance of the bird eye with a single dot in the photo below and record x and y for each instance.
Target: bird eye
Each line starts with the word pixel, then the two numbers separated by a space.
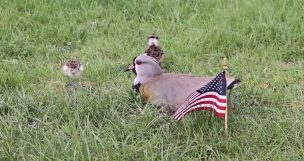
pixel 138 62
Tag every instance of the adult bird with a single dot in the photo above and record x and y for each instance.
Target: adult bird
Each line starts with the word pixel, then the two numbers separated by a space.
pixel 167 90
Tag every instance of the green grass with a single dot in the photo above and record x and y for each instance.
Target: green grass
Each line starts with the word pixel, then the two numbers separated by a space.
pixel 264 41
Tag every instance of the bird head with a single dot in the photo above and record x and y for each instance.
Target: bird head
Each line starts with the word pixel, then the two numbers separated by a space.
pixel 153 40
pixel 132 67
pixel 146 68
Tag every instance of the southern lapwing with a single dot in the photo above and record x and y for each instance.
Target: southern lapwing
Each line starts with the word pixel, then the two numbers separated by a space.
pixel 167 89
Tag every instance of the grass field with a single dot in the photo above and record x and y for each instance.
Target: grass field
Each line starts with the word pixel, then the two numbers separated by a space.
pixel 264 41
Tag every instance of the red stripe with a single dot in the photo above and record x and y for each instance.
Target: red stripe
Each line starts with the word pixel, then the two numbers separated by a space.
pixel 182 110
pixel 182 113
pixel 221 100
pixel 210 103
pixel 189 105
pixel 188 101
pixel 220 115
pixel 192 96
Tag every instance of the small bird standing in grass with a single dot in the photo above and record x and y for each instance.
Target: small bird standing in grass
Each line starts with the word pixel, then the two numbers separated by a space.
pixel 72 68
pixel 154 51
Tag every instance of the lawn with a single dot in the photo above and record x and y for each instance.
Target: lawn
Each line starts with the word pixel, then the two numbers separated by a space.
pixel 263 40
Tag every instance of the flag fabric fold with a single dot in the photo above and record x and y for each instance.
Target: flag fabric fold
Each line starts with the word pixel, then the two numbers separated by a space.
pixel 212 97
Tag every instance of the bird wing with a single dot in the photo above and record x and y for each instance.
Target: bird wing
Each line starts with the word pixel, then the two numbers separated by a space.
pixel 173 89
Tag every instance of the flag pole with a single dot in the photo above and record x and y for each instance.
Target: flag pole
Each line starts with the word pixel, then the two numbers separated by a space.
pixel 225 67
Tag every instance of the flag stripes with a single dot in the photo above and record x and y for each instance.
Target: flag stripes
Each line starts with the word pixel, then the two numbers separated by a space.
pixel 211 97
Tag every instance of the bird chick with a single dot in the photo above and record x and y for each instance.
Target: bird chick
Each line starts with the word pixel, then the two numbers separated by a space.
pixel 154 49
pixel 72 68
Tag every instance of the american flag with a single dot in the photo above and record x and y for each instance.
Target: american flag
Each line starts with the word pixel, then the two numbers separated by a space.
pixel 210 97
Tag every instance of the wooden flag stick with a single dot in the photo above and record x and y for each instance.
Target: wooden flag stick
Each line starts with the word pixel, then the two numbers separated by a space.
pixel 225 67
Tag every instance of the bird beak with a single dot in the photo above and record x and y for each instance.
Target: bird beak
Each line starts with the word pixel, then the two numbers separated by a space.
pixel 130 68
